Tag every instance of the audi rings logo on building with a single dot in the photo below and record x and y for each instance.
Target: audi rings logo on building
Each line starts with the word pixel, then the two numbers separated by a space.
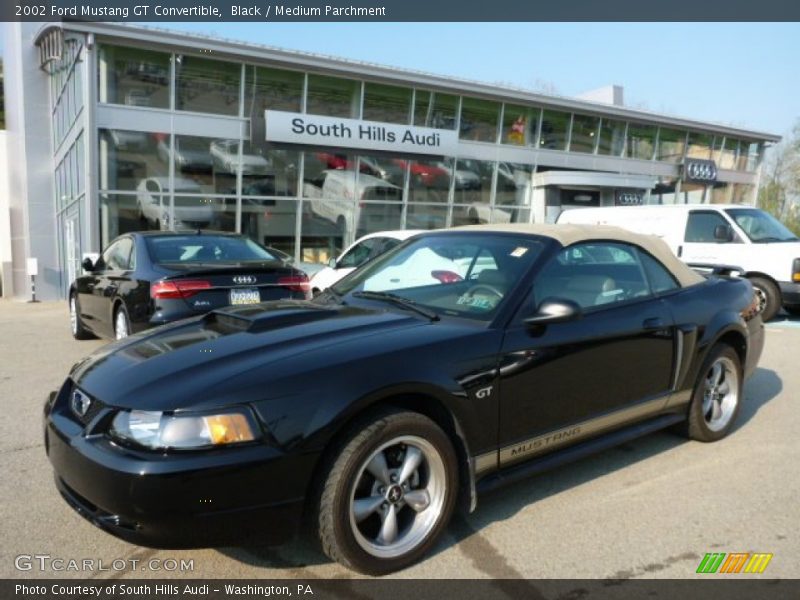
pixel 629 199
pixel 244 279
pixel 700 170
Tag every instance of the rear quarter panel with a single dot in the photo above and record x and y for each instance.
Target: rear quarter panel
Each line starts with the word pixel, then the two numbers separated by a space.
pixel 714 308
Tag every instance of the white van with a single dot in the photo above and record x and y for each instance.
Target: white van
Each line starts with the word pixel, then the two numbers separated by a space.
pixel 719 235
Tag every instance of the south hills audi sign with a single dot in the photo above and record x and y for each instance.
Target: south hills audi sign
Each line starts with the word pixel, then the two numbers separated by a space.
pixel 700 171
pixel 313 130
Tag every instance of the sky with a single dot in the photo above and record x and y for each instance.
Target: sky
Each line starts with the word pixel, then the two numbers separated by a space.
pixel 740 74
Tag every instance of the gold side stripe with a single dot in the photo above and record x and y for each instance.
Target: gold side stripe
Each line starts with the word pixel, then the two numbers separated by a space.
pixel 555 439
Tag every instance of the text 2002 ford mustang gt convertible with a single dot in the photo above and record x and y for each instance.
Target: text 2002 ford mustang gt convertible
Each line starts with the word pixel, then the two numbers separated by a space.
pixel 373 409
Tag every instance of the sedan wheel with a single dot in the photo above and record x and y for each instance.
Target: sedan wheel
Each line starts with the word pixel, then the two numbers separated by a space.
pixel 121 325
pixel 715 402
pixel 388 493
pixel 768 297
pixel 79 332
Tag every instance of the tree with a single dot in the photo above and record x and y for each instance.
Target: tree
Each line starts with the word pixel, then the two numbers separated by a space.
pixel 779 193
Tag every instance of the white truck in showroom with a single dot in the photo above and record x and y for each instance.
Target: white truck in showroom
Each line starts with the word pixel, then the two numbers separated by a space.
pixel 718 235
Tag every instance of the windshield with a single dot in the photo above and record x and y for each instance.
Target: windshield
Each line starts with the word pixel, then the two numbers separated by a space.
pixel 467 275
pixel 204 248
pixel 760 226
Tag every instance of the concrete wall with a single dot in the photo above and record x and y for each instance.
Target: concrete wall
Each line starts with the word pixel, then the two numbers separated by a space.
pixel 30 163
pixel 6 279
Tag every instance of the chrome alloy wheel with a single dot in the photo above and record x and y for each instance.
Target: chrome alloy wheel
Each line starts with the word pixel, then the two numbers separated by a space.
pixel 720 394
pixel 761 299
pixel 397 497
pixel 73 315
pixel 121 325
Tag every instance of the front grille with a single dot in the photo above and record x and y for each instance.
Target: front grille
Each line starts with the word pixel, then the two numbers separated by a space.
pixel 75 400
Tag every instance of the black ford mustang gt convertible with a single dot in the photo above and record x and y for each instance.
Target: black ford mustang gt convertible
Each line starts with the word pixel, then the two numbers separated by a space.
pixel 456 362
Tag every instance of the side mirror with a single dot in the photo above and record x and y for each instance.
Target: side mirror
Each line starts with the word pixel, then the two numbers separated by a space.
pixel 87 264
pixel 723 233
pixel 555 310
pixel 332 263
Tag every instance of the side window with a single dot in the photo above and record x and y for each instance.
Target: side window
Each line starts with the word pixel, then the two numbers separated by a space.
pixel 593 275
pixel 388 244
pixel 118 255
pixel 661 280
pixel 358 254
pixel 700 226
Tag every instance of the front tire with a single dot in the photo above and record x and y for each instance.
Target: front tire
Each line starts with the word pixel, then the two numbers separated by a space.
pixel 717 396
pixel 79 331
pixel 768 295
pixel 388 493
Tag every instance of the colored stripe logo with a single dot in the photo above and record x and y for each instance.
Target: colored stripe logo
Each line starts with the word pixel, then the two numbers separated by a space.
pixel 735 562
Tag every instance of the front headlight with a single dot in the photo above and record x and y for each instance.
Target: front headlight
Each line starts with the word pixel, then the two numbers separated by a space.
pixel 157 430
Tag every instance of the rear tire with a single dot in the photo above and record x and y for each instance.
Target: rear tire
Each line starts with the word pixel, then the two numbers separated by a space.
pixel 717 396
pixel 79 331
pixel 768 295
pixel 387 493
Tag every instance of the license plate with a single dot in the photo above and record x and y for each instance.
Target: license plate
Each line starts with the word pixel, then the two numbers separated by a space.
pixel 245 296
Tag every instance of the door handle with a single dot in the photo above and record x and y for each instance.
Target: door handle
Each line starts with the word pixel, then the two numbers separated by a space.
pixel 653 324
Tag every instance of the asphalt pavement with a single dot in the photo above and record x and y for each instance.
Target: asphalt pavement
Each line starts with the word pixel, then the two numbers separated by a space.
pixel 651 508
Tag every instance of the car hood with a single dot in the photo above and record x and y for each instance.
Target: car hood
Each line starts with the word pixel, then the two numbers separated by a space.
pixel 206 361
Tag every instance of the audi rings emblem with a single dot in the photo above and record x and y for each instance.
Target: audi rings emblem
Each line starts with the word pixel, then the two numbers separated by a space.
pixel 700 170
pixel 629 199
pixel 244 279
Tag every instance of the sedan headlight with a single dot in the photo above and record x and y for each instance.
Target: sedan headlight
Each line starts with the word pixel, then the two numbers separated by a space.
pixel 157 430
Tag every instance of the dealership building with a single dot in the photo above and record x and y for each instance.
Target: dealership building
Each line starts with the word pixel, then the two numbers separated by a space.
pixel 113 128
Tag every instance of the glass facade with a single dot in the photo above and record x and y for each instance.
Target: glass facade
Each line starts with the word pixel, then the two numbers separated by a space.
pixel 555 130
pixel 333 97
pixel 584 133
pixel 612 138
pixel 479 120
pixel 207 86
pixel 434 109
pixel 311 202
pixel 641 141
pixel 671 143
pixel 133 76
pixel 387 103
pixel 520 125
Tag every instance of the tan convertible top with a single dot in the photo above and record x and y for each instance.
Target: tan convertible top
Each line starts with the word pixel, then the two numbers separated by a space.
pixel 567 235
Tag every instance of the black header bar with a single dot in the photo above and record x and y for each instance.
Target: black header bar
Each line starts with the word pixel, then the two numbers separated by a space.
pixel 400 10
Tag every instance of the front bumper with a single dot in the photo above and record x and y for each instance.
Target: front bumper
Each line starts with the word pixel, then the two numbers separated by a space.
pixel 230 496
pixel 790 293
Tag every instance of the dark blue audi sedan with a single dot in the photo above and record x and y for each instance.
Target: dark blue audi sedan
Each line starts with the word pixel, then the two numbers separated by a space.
pixel 150 278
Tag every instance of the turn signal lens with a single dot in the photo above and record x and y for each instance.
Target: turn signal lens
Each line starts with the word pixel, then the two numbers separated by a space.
pixel 796 270
pixel 228 429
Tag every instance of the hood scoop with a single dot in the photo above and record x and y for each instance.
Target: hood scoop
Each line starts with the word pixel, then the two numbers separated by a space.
pixel 258 318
